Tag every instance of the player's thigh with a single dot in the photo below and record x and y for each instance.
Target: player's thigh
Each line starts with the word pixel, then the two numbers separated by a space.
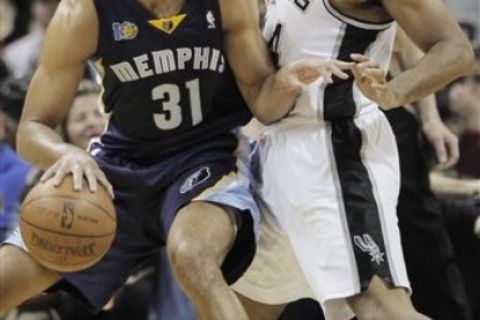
pixel 21 277
pixel 260 311
pixel 203 229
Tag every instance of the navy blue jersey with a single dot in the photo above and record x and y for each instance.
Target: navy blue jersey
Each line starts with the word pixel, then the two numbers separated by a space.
pixel 166 81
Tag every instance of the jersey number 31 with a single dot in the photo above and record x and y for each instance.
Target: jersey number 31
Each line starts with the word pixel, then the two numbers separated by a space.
pixel 171 115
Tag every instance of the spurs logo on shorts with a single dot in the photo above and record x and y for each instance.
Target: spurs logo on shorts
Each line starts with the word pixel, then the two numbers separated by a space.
pixel 367 244
pixel 195 179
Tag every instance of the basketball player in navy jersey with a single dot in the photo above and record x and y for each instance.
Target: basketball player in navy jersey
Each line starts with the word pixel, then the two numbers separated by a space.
pixel 329 172
pixel 172 156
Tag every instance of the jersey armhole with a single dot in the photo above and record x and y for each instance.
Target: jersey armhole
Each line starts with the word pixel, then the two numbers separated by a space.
pixel 103 38
pixel 218 17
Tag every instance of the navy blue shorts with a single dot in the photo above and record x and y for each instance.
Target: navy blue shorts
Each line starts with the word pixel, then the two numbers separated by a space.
pixel 147 198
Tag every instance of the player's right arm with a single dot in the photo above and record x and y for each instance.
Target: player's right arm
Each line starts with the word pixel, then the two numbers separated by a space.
pixel 70 40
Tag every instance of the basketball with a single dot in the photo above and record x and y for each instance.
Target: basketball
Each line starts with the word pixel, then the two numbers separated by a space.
pixel 64 230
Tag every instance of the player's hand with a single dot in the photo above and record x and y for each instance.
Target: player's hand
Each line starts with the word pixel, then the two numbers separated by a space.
pixel 298 75
pixel 443 141
pixel 79 164
pixel 371 80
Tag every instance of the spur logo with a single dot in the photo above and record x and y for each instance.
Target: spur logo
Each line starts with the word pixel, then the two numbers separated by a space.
pixel 367 244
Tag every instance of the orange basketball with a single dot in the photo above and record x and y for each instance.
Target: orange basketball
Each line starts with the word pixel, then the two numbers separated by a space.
pixel 66 230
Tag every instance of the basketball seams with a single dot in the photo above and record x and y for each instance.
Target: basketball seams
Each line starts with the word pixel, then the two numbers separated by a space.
pixel 113 218
pixel 65 234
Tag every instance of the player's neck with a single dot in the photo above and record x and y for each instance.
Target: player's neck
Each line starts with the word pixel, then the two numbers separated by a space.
pixel 365 10
pixel 163 8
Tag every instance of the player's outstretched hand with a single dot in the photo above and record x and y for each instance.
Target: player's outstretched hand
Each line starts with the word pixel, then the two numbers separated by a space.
pixel 79 164
pixel 299 74
pixel 371 80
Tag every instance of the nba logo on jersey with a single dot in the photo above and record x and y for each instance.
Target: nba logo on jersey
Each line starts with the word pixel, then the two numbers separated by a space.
pixel 210 20
pixel 195 179
pixel 124 31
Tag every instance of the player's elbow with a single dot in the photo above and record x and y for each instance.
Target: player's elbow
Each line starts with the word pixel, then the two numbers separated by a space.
pixel 264 117
pixel 22 138
pixel 465 58
pixel 268 114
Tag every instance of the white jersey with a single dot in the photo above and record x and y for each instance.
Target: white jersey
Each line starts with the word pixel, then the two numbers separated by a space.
pixel 330 35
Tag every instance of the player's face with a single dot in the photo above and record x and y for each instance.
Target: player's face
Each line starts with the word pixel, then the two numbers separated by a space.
pixel 85 121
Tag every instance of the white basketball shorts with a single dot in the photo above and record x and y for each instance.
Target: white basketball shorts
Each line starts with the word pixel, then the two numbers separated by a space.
pixel 332 188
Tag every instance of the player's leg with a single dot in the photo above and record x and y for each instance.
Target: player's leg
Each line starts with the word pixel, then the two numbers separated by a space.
pixel 199 239
pixel 380 302
pixel 21 277
pixel 260 311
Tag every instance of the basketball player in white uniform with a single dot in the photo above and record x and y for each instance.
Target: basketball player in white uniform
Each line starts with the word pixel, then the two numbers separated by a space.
pixel 328 167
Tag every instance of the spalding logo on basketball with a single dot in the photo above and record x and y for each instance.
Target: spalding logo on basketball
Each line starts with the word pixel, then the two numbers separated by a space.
pixel 66 230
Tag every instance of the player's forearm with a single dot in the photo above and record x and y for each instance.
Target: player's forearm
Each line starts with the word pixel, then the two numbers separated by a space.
pixel 274 99
pixel 444 62
pixel 445 185
pixel 39 144
pixel 426 109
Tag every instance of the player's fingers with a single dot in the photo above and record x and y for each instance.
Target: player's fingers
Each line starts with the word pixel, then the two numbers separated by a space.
pixel 60 173
pixel 91 179
pixel 369 64
pixel 377 73
pixel 102 179
pixel 49 173
pixel 453 151
pixel 338 72
pixel 374 75
pixel 77 173
pixel 326 74
pixel 343 65
pixel 440 151
pixel 358 75
pixel 357 57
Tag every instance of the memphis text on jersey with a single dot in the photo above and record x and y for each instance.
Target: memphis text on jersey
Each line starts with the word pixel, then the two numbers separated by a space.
pixel 168 60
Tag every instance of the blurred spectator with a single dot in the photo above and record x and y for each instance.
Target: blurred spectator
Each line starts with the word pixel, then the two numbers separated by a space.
pixel 436 280
pixel 460 188
pixel 84 121
pixel 465 103
pixel 20 57
pixel 13 170
pixel 461 109
pixel 14 20
pixel 469 29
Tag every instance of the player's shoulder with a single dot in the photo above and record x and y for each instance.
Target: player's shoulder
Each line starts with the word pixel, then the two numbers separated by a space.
pixel 73 31
pixel 76 12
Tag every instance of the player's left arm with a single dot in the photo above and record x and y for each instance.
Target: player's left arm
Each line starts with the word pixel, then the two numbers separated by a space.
pixel 433 29
pixel 443 141
pixel 270 93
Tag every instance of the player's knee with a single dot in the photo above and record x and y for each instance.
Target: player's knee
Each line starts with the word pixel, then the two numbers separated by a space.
pixel 192 263
pixel 370 309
